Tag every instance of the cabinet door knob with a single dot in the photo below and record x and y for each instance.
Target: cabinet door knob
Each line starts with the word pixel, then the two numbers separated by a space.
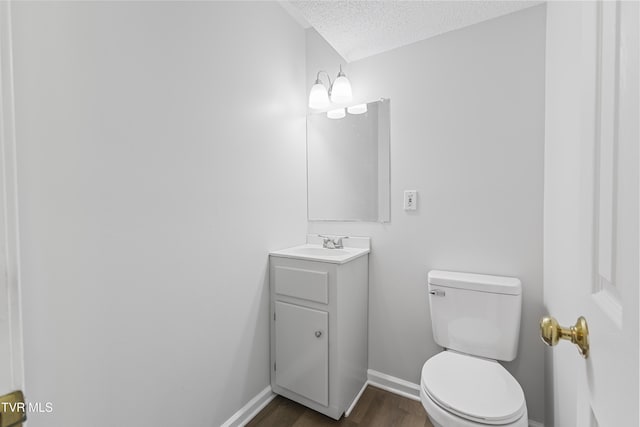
pixel 318 334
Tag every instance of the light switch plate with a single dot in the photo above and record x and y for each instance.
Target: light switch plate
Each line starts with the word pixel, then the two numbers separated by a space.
pixel 410 200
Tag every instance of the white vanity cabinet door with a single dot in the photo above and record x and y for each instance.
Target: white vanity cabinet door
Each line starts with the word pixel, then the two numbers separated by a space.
pixel 302 351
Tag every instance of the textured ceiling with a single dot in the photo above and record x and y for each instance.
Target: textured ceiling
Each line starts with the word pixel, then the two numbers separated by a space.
pixel 357 29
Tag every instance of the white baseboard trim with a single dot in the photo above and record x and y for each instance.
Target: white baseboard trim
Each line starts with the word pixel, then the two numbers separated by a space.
pixel 405 388
pixel 393 384
pixel 374 378
pixel 251 409
pixel 355 401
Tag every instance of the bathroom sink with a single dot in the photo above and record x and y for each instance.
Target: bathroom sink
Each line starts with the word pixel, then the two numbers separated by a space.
pixel 317 251
pixel 314 252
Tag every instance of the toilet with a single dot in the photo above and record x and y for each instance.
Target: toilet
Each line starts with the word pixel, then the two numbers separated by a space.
pixel 476 318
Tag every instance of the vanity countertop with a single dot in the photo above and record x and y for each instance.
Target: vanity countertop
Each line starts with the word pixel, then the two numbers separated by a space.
pixel 354 247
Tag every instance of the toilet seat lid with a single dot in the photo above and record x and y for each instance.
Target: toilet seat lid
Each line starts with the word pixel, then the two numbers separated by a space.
pixel 477 389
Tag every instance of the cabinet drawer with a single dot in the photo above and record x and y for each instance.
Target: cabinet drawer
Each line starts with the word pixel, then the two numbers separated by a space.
pixel 311 285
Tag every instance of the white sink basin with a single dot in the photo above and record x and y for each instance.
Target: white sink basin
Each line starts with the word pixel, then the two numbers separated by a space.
pixel 318 253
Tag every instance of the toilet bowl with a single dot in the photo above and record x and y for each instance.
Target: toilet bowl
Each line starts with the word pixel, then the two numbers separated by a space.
pixel 476 318
pixel 459 390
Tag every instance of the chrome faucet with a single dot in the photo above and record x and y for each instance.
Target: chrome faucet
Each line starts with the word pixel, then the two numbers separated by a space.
pixel 329 242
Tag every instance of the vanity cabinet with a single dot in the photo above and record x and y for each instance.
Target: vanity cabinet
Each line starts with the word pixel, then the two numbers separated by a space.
pixel 319 334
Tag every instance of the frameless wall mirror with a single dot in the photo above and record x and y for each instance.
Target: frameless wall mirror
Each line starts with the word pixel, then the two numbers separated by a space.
pixel 348 164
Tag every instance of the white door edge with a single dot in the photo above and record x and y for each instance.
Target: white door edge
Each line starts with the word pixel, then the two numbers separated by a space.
pixel 10 261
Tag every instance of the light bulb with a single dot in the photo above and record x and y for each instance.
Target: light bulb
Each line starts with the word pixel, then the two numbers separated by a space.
pixel 318 97
pixel 357 109
pixel 336 114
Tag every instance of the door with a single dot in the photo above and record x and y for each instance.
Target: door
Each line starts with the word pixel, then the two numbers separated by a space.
pixel 302 351
pixel 11 361
pixel 591 216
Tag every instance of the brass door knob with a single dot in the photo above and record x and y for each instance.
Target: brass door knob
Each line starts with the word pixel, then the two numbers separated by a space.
pixel 551 332
pixel 12 409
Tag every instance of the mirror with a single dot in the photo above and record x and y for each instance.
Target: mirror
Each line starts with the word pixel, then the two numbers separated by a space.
pixel 348 165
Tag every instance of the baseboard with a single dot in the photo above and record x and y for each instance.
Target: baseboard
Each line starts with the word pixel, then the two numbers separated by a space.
pixel 355 401
pixel 374 378
pixel 251 409
pixel 393 384
pixel 405 388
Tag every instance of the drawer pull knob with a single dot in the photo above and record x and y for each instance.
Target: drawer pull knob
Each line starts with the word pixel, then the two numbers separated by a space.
pixel 318 334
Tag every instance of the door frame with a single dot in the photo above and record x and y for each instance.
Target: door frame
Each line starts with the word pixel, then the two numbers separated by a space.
pixel 9 239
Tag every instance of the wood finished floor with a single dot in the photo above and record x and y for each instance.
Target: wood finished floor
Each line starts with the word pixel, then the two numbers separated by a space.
pixel 376 408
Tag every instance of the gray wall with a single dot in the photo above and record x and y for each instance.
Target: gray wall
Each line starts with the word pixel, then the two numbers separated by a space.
pixel 160 156
pixel 467 132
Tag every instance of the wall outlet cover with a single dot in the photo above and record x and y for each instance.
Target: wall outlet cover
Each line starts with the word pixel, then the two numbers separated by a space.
pixel 410 200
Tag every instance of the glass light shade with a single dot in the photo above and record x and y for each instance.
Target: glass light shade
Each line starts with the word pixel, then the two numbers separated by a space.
pixel 341 90
pixel 318 97
pixel 357 109
pixel 336 114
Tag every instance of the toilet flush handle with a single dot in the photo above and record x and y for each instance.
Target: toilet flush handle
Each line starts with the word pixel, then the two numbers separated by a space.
pixel 437 292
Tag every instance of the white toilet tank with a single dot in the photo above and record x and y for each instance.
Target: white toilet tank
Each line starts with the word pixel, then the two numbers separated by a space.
pixel 476 314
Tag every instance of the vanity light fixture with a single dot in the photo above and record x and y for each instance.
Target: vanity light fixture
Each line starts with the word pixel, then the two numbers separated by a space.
pixel 338 113
pixel 357 109
pixel 339 91
pixel 318 97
